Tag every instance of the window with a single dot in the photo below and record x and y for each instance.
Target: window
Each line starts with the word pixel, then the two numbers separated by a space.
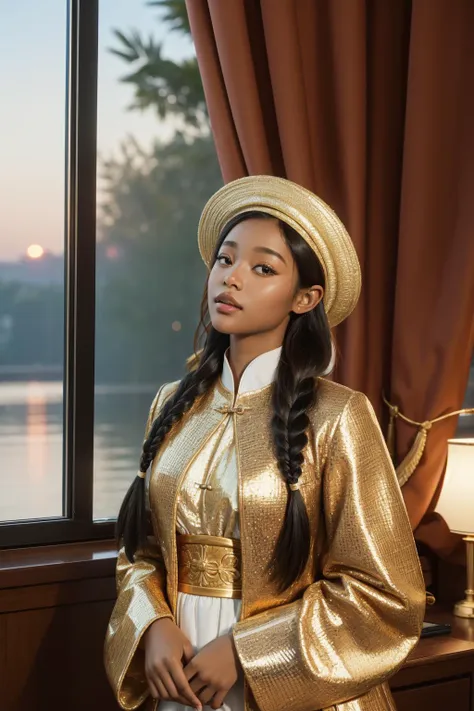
pixel 32 240
pixel 156 168
pixel 466 422
pixel 115 163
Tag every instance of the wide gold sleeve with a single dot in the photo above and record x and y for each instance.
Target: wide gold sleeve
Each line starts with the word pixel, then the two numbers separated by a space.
pixel 141 599
pixel 354 627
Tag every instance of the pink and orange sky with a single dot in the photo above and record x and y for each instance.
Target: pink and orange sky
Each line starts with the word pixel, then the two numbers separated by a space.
pixel 32 113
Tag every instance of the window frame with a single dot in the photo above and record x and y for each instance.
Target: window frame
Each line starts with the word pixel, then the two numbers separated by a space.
pixel 80 267
pixel 79 331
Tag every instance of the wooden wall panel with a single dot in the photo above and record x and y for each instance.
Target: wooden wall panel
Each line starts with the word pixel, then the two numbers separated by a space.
pixel 454 694
pixel 55 605
pixel 53 659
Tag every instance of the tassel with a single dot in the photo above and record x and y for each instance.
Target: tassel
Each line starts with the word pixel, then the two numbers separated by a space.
pixel 406 467
pixel 391 432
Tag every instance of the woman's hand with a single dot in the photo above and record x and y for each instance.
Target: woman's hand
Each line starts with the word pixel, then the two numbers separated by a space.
pixel 166 648
pixel 213 671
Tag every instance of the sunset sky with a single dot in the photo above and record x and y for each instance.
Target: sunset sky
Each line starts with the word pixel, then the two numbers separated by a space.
pixel 32 114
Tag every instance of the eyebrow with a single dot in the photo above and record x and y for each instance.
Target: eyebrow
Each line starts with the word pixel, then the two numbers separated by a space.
pixel 265 250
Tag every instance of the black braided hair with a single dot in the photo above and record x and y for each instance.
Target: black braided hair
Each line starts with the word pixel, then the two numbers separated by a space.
pixel 294 393
pixel 132 518
pixel 306 354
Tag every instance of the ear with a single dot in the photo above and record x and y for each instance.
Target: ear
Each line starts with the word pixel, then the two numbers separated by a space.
pixel 307 299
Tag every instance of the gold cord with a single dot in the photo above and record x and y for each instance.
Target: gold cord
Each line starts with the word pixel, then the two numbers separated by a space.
pixel 397 413
pixel 408 465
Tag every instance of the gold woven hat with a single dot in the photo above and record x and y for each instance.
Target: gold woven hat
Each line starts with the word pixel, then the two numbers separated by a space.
pixel 317 224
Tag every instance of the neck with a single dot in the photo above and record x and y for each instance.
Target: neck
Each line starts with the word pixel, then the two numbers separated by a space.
pixel 244 349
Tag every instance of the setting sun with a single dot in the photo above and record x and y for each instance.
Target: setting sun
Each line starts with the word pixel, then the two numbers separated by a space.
pixel 35 251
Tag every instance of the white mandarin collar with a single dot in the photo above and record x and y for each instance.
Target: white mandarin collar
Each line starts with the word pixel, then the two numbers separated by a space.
pixel 259 373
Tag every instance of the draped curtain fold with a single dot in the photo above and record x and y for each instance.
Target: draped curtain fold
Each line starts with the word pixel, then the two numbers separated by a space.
pixel 369 104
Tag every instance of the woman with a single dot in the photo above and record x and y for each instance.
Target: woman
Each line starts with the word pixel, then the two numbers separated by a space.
pixel 293 583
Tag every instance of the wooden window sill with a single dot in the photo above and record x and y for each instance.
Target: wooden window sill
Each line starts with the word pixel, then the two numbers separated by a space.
pixel 57 563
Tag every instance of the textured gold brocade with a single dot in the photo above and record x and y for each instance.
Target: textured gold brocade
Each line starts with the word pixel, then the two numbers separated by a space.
pixel 141 599
pixel 348 623
pixel 209 565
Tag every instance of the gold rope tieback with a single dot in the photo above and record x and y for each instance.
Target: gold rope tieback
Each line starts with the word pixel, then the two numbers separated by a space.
pixel 408 465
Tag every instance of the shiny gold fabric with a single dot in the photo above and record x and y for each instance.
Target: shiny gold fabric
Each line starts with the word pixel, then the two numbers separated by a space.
pixel 348 623
pixel 141 599
pixel 209 565
pixel 208 501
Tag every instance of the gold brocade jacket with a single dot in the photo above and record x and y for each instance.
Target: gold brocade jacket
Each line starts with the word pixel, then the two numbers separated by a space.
pixel 347 624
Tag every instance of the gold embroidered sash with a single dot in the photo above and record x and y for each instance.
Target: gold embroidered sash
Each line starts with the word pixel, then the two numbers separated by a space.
pixel 209 565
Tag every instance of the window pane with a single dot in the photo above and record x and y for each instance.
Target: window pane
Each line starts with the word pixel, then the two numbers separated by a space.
pixel 466 422
pixel 156 168
pixel 32 165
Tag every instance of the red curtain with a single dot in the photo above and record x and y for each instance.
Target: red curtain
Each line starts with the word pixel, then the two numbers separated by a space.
pixel 370 104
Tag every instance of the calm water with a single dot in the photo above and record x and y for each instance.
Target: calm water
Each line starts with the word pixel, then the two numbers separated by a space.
pixel 31 442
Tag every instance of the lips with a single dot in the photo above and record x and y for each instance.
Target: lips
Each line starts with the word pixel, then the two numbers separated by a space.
pixel 228 300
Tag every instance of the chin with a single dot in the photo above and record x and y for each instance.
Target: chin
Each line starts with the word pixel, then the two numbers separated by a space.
pixel 223 325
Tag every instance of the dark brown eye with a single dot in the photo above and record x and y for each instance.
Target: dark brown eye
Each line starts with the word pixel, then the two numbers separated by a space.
pixel 266 270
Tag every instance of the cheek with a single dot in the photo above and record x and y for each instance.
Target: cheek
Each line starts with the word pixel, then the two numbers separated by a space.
pixel 278 293
pixel 273 299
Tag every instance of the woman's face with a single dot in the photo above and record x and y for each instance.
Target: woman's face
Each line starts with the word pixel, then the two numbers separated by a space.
pixel 256 275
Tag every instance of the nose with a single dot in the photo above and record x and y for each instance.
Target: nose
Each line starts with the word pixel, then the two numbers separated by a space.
pixel 233 278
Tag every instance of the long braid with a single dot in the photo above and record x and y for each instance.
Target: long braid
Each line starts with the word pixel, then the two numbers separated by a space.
pixel 132 519
pixel 305 355
pixel 291 402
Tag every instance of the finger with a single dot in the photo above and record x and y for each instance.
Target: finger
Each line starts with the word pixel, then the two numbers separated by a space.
pixel 197 684
pixel 163 694
pixel 206 694
pixel 218 699
pixel 153 689
pixel 153 679
pixel 169 684
pixel 161 689
pixel 182 684
pixel 190 670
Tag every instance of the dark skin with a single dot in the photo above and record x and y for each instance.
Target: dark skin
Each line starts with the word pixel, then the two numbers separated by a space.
pixel 256 267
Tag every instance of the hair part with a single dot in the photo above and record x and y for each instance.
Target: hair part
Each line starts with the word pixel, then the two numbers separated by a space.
pixel 306 354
